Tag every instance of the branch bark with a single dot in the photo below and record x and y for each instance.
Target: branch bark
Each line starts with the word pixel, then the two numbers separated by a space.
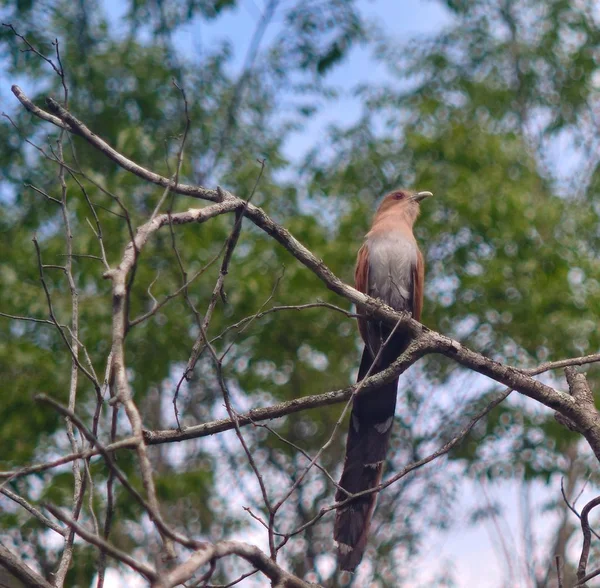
pixel 21 570
pixel 278 576
pixel 63 119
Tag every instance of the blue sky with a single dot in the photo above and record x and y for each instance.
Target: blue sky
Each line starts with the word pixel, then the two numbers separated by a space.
pixel 401 19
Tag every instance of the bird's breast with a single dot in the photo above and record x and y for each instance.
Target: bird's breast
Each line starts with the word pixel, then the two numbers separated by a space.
pixel 392 257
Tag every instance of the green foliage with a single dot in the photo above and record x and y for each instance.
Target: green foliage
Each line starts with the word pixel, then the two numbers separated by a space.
pixel 511 247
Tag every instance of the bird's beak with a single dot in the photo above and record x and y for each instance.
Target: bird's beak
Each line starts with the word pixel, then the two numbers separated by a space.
pixel 421 196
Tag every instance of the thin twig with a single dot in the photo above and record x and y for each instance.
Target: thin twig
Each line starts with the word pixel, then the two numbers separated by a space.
pixel 33 510
pixel 119 555
pixel 338 423
pixel 230 245
pixel 298 307
pixel 98 231
pixel 218 290
pixel 53 319
pixel 79 484
pixel 559 571
pixel 413 466
pixel 128 443
pixel 108 458
pixel 110 505
pixel 158 305
pixel 30 319
pixel 47 196
pixel 57 68
pixel 587 538
pixel 186 130
pixel 233 416
pixel 572 507
pixel 255 316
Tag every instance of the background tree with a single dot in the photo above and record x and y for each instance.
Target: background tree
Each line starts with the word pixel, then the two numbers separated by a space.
pixel 476 114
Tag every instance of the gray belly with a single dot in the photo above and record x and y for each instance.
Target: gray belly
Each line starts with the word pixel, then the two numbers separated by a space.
pixel 391 262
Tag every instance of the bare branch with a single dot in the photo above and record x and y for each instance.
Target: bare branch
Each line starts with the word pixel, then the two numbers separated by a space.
pixel 65 120
pixel 147 505
pixel 33 510
pixel 55 322
pixel 571 507
pixel 79 483
pixel 218 290
pixel 576 409
pixel 37 111
pixel 284 408
pixel 233 417
pixel 110 501
pixel 559 571
pixel 30 319
pixel 413 466
pixel 563 363
pixel 175 179
pixel 21 570
pixel 508 376
pixel 158 305
pixel 587 538
pixel 128 443
pixel 359 390
pixel 98 230
pixel 47 196
pixel 257 316
pixel 230 246
pixel 581 583
pixel 250 553
pixel 57 68
pixel 119 555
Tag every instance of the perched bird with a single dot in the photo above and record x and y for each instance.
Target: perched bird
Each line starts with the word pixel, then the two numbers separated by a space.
pixel 390 267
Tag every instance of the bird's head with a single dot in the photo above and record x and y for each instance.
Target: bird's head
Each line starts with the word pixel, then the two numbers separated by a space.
pixel 403 201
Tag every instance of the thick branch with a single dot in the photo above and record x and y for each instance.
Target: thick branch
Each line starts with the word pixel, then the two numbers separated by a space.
pixel 20 570
pixel 65 120
pixel 250 553
pixel 504 374
pixel 284 408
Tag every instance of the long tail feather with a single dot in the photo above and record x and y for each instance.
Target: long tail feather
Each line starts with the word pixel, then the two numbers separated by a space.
pixel 366 447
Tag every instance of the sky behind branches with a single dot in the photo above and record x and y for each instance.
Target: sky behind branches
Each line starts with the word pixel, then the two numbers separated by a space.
pixel 471 551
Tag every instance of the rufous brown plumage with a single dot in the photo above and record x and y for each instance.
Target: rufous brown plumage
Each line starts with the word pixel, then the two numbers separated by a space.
pixel 390 267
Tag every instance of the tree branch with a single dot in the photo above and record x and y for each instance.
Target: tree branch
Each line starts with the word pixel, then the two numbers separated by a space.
pixel 508 376
pixel 587 538
pixel 289 407
pixel 278 576
pixel 93 539
pixel 20 570
pixel 65 120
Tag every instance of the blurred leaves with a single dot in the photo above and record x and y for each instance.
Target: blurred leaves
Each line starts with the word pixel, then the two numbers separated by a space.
pixel 478 114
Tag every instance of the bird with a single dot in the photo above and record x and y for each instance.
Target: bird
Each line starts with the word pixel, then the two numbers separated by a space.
pixel 390 267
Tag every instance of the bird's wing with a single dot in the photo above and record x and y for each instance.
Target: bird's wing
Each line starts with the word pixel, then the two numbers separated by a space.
pixel 361 283
pixel 418 277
